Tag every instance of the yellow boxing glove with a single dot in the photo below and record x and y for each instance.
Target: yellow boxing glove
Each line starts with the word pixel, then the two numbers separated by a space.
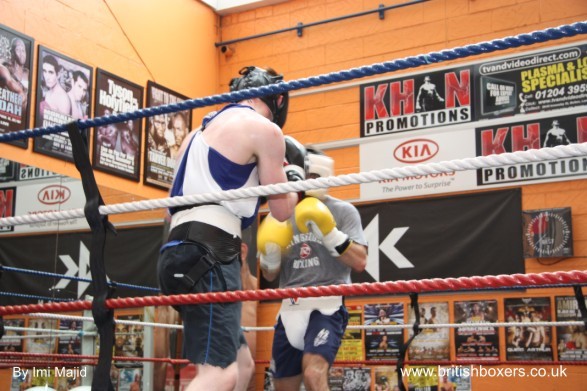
pixel 273 237
pixel 311 214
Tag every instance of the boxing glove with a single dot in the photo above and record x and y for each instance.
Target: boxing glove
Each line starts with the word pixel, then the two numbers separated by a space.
pixel 294 173
pixel 294 162
pixel 273 237
pixel 311 214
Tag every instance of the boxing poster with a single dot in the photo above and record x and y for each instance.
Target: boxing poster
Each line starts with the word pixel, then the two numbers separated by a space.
pixel 385 378
pixel 476 342
pixel 571 340
pixel 532 83
pixel 165 133
pixel 454 378
pixel 43 341
pixel 117 147
pixel 129 379
pixel 64 88
pixel 431 344
pixel 383 344
pixel 354 378
pixel 351 346
pixel 528 342
pixel 532 134
pixel 70 343
pixel 128 339
pixel 420 101
pixel 335 378
pixel 423 378
pixel 16 60
pixel 8 344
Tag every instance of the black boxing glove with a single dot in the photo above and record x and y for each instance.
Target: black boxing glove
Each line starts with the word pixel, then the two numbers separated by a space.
pixel 295 162
pixel 294 173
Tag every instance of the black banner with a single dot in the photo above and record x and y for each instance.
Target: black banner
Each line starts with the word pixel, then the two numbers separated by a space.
pixel 16 59
pixel 468 235
pixel 532 83
pixel 130 257
pixel 117 147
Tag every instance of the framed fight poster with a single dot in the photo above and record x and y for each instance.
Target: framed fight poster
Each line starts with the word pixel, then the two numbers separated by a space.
pixel 528 343
pixel 117 147
pixel 64 88
pixel 165 133
pixel 16 59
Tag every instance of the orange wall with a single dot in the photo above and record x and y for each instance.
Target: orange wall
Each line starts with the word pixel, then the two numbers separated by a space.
pixel 330 116
pixel 171 43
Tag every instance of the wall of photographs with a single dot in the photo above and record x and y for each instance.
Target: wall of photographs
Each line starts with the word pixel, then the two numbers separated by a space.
pixel 452 350
pixel 68 90
pixel 129 342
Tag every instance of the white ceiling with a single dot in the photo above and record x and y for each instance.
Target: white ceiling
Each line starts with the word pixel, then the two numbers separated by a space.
pixel 225 7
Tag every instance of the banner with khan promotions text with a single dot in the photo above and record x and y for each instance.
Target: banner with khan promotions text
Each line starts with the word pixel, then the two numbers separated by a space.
pixel 425 100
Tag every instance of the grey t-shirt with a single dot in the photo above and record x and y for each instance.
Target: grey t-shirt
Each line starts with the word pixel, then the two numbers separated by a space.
pixel 308 262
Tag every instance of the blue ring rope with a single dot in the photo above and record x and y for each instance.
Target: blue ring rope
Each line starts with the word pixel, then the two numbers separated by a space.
pixel 539 36
pixel 34 297
pixel 73 278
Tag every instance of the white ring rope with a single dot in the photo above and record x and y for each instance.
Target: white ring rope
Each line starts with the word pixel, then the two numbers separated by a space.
pixel 119 321
pixel 467 326
pixel 471 326
pixel 33 330
pixel 42 336
pixel 533 155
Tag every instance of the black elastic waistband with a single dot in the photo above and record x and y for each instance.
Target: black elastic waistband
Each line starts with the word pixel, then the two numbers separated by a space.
pixel 221 245
pixel 176 209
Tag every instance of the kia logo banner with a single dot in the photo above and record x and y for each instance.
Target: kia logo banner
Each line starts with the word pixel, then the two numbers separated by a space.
pixel 36 197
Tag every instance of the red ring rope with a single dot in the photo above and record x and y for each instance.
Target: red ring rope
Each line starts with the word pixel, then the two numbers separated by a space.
pixel 426 285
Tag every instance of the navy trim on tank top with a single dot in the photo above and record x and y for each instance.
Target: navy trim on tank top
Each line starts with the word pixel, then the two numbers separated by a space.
pixel 229 175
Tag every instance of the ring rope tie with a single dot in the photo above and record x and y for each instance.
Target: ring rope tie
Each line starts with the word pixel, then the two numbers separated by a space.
pixel 539 36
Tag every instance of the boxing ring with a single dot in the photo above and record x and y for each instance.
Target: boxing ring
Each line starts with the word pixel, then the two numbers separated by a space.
pixel 96 212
